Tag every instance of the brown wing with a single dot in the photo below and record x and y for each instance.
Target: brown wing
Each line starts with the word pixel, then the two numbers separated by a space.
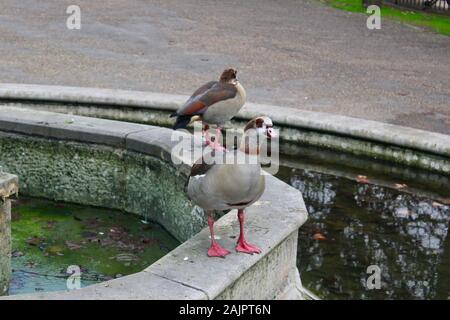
pixel 207 95
pixel 200 167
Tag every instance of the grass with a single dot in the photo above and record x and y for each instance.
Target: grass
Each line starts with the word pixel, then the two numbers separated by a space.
pixel 435 22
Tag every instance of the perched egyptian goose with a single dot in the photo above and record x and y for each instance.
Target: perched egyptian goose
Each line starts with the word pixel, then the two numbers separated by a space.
pixel 231 184
pixel 214 103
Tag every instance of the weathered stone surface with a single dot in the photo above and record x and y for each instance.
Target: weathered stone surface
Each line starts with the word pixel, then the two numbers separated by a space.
pixel 66 171
pixel 161 143
pixel 270 223
pixel 280 259
pixel 156 190
pixel 323 122
pixel 90 95
pixel 402 145
pixel 138 286
pixel 138 177
pixel 102 176
pixel 67 127
pixel 9 185
pixel 5 245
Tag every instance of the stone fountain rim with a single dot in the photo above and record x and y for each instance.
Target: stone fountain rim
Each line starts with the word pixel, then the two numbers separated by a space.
pixel 369 130
pixel 171 277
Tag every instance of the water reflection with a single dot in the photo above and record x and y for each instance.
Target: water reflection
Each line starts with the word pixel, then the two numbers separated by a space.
pixel 364 224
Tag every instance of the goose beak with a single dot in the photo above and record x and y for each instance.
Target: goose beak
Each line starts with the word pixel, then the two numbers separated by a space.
pixel 271 133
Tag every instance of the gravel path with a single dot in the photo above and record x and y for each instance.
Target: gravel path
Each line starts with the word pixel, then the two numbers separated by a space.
pixel 296 53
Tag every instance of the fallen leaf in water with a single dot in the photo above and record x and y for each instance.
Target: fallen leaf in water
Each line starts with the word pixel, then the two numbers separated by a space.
pixel 16 254
pixel 93 223
pixel 150 241
pixel 318 236
pixel 118 230
pixel 402 212
pixel 127 257
pixel 436 204
pixel 94 240
pixel 400 185
pixel 50 224
pixel 362 179
pixel 54 250
pixel 34 241
pixel 60 205
pixel 31 264
pixel 72 246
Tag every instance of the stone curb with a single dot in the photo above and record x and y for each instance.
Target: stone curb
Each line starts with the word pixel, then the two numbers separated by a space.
pixel 426 141
pixel 273 221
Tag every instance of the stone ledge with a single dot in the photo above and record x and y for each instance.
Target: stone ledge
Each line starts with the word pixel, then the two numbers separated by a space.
pixel 9 185
pixel 138 286
pixel 270 223
pixel 421 140
pixel 65 127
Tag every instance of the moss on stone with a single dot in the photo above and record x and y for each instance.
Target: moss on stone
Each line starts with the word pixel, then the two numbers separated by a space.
pixel 5 245
pixel 102 176
pixel 378 151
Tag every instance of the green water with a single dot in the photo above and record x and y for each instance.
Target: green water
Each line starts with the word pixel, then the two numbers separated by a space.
pixel 48 237
pixel 388 221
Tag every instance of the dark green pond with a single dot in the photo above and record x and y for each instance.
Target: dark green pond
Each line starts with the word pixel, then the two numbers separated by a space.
pixel 394 218
pixel 49 237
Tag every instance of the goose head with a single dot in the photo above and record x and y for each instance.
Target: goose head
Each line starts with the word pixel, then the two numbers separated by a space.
pixel 256 132
pixel 229 76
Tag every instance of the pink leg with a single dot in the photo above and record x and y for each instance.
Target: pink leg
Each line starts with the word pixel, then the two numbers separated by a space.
pixel 242 245
pixel 216 144
pixel 205 132
pixel 218 134
pixel 215 250
pixel 213 143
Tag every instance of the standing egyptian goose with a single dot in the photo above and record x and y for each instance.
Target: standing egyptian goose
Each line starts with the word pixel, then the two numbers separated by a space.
pixel 214 103
pixel 231 184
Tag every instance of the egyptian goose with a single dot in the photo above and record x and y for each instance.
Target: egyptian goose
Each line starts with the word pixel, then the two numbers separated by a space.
pixel 214 103
pixel 231 184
